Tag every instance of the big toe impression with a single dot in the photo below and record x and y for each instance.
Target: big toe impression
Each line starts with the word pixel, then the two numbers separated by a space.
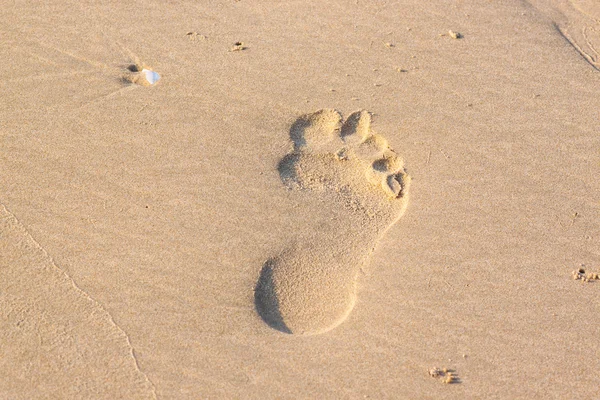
pixel 315 131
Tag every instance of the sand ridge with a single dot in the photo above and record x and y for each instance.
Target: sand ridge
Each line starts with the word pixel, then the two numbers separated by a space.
pixel 52 332
pixel 310 287
pixel 578 21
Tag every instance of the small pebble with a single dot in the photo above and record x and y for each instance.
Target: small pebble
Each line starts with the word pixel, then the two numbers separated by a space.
pixel 238 46
pixel 455 35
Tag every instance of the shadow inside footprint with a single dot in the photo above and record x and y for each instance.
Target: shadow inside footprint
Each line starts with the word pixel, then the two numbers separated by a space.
pixel 265 299
pixel 287 168
pixel 297 132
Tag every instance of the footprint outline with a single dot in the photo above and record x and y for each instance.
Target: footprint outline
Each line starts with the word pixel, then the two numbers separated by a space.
pixel 310 286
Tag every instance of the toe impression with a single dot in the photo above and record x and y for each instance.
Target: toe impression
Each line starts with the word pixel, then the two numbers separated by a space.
pixel 313 132
pixel 356 128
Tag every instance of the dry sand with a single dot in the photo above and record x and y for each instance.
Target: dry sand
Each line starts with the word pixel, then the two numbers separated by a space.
pixel 234 230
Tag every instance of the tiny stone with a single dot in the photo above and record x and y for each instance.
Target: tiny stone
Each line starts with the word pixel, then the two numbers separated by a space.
pixel 435 372
pixel 341 155
pixel 238 46
pixel 195 36
pixel 455 35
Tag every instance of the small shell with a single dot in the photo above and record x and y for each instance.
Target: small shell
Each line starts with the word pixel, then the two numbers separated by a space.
pixel 151 76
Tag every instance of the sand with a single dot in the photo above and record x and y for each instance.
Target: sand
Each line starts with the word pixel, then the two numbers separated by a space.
pixel 245 227
pixel 310 287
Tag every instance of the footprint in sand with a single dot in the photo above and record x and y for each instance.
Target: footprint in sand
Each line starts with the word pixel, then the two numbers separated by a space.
pixel 310 287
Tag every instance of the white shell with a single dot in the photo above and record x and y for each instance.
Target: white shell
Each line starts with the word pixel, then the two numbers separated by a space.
pixel 151 76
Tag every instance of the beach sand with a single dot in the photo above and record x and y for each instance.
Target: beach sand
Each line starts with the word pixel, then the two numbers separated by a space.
pixel 316 200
